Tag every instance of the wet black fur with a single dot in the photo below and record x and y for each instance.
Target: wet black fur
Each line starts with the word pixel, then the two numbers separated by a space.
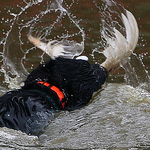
pixel 29 108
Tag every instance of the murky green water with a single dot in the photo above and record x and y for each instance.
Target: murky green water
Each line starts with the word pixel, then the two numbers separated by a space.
pixel 118 116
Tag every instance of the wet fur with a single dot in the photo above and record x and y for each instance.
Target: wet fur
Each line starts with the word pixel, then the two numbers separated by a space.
pixel 30 108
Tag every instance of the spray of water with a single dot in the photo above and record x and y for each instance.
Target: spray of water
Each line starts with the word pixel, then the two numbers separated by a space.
pixel 50 17
pixel 51 13
pixel 110 13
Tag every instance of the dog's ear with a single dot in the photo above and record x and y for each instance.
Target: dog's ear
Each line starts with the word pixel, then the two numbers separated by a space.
pixel 57 48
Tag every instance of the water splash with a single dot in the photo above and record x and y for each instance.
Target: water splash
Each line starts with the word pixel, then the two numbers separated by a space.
pixel 44 23
pixel 110 13
pixel 49 22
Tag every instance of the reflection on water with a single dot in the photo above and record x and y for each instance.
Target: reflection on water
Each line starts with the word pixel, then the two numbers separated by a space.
pixel 118 116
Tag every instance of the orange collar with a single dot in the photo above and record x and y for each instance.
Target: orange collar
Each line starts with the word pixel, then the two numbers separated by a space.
pixel 56 90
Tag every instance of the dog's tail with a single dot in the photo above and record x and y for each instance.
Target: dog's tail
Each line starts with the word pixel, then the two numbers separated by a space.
pixel 120 47
pixel 57 48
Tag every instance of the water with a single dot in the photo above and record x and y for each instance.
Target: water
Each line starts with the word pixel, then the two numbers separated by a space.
pixel 104 123
pixel 118 115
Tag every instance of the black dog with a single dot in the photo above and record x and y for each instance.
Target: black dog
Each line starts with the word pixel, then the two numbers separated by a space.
pixel 62 83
